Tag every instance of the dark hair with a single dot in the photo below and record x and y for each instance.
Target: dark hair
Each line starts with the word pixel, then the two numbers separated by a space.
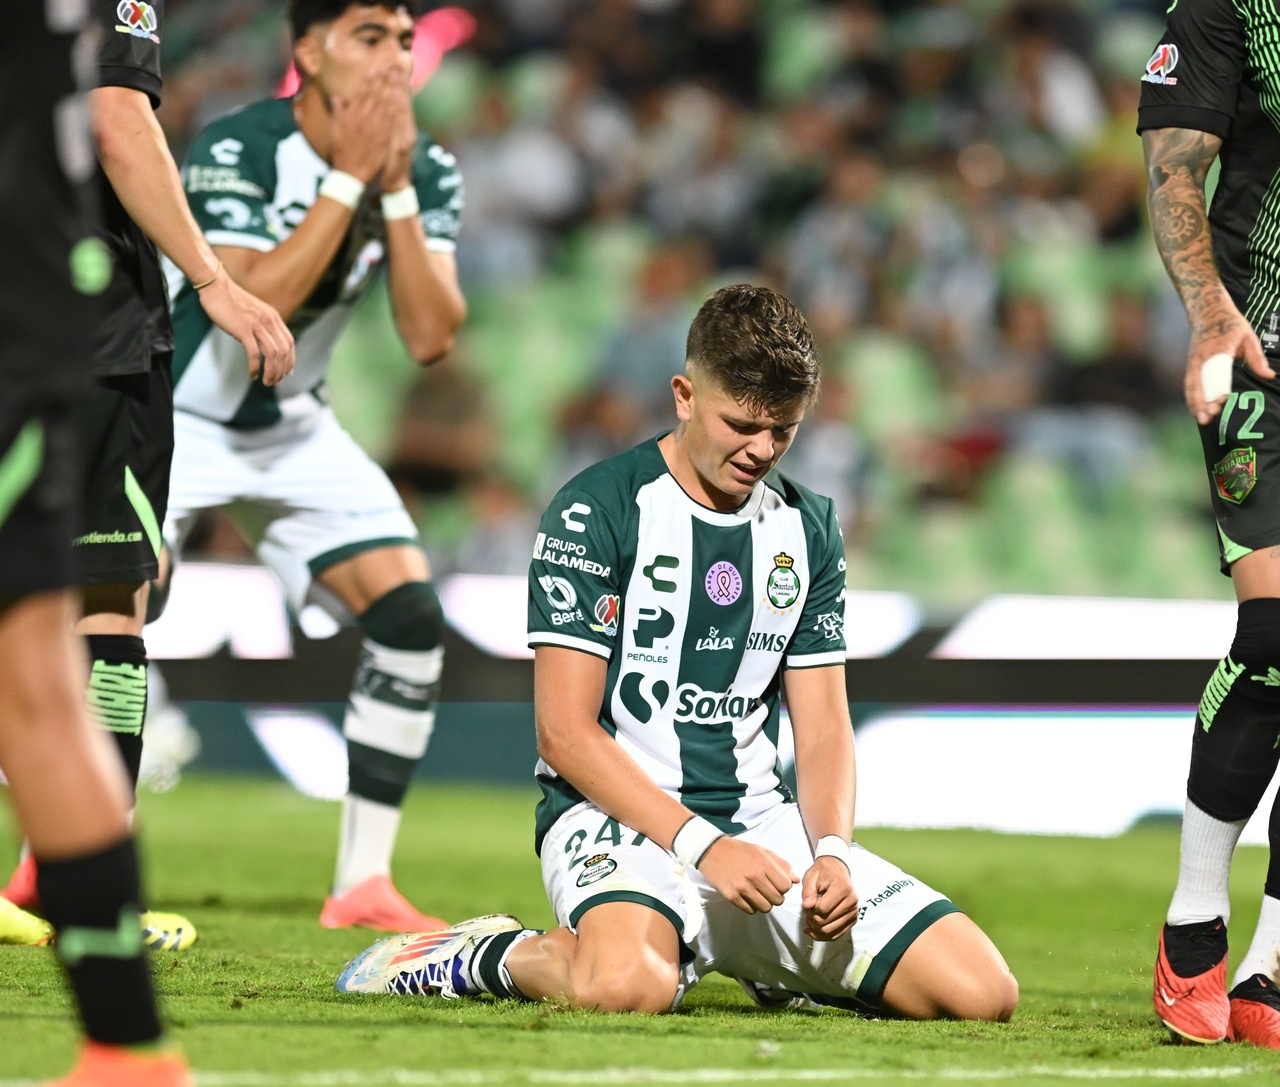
pixel 304 14
pixel 756 346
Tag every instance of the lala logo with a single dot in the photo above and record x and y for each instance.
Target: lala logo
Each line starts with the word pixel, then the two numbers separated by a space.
pixel 713 641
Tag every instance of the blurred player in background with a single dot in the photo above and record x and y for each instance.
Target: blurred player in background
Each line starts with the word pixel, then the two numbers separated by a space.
pixel 125 428
pixel 674 590
pixel 306 202
pixel 1209 92
pixel 65 780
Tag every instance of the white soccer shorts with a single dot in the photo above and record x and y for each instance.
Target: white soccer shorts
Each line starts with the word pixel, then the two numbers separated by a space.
pixel 589 859
pixel 302 490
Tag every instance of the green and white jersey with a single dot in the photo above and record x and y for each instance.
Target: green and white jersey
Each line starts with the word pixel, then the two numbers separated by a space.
pixel 697 612
pixel 250 179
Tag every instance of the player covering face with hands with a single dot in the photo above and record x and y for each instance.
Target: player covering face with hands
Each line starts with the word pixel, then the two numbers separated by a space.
pixel 676 591
pixel 308 201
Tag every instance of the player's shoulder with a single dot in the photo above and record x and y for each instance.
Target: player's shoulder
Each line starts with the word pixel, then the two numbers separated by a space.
pixel 433 159
pixel 816 509
pixel 250 128
pixel 616 480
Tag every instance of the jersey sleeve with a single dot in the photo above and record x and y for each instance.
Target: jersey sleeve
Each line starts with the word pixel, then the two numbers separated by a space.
pixel 1192 79
pixel 129 50
pixel 574 578
pixel 227 189
pixel 438 183
pixel 819 637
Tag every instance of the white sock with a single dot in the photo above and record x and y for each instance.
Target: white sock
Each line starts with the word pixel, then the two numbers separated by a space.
pixel 1204 868
pixel 368 837
pixel 1263 956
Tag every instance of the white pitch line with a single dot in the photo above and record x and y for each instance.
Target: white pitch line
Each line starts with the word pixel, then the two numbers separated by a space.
pixel 409 1077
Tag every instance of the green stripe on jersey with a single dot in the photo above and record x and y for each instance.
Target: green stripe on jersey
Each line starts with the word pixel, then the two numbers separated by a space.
pixel 19 466
pixel 719 620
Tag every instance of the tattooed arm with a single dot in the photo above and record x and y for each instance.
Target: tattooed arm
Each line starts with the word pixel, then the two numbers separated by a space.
pixel 1178 162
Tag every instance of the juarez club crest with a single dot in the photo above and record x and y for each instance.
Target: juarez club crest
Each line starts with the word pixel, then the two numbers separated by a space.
pixel 1235 474
pixel 783 586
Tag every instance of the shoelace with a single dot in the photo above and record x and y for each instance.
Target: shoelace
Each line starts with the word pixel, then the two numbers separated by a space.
pixel 443 978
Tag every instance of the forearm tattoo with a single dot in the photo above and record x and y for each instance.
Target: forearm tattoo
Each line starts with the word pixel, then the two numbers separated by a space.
pixel 1178 162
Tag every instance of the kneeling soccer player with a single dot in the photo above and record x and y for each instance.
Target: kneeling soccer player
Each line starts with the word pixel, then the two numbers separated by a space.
pixel 674 589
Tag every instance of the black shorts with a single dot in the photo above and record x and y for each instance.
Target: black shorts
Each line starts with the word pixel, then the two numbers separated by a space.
pixel 1242 454
pixel 40 496
pixel 126 435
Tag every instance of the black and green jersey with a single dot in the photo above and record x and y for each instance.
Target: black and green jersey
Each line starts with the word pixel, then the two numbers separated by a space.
pixel 49 261
pixel 251 178
pixel 697 612
pixel 1217 70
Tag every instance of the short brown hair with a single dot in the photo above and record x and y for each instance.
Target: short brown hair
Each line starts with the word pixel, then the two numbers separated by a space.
pixel 756 346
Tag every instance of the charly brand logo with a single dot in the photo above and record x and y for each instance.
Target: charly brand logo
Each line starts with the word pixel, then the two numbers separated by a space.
pixel 654 570
pixel 137 18
pixel 783 584
pixel 723 583
pixel 570 517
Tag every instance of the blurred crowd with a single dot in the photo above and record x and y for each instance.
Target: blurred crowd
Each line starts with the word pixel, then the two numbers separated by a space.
pixel 952 191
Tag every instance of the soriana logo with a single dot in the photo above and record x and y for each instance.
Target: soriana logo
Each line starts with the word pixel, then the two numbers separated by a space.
pixel 137 18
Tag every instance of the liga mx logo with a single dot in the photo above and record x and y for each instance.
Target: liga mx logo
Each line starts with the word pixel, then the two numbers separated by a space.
pixel 1162 62
pixel 137 18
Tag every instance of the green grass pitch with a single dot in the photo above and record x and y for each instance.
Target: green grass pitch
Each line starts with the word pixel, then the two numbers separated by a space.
pixel 253 1004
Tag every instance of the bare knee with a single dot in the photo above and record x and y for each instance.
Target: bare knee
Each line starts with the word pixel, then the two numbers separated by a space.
pixel 642 986
pixel 993 999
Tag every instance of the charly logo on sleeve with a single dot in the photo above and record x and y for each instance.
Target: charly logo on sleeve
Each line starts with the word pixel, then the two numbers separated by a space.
pixel 137 18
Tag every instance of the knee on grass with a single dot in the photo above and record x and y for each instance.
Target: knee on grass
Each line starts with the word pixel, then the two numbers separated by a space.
pixel 992 999
pixel 643 986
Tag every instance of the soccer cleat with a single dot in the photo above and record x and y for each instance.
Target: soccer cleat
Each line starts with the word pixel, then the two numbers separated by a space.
pixel 423 963
pixel 19 927
pixel 771 999
pixel 1190 991
pixel 1255 1012
pixel 166 931
pixel 115 1066
pixel 375 903
pixel 21 888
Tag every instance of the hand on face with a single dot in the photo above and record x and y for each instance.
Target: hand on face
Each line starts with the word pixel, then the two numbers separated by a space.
pixel 373 130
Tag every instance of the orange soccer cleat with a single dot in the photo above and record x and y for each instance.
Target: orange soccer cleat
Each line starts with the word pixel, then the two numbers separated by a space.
pixel 118 1066
pixel 375 903
pixel 21 888
pixel 1255 1012
pixel 1190 992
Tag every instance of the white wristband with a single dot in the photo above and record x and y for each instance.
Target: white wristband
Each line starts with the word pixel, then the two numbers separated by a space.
pixel 693 840
pixel 400 205
pixel 832 845
pixel 343 187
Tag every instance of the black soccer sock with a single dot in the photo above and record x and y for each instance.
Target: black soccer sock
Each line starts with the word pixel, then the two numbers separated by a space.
pixel 1236 745
pixel 92 901
pixel 118 693
pixel 392 710
pixel 488 968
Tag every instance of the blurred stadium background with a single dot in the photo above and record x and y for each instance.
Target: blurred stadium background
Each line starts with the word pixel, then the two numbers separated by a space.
pixel 951 190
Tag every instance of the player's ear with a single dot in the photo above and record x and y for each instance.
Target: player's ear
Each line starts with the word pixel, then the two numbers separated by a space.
pixel 306 55
pixel 683 389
